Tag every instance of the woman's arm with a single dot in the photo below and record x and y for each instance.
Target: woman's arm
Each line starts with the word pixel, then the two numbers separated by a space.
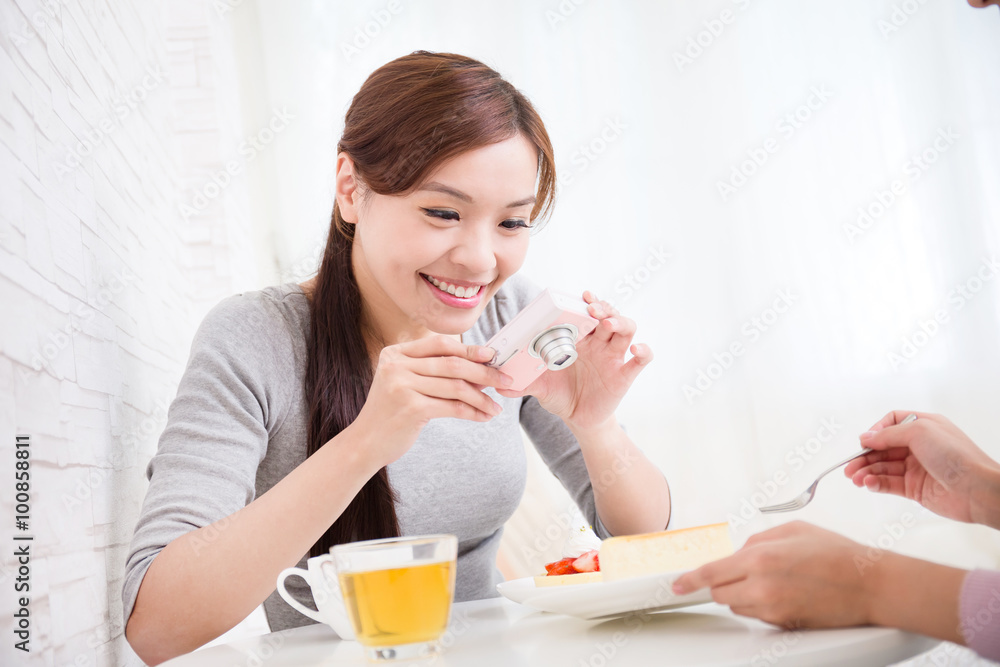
pixel 631 494
pixel 206 581
pixel 212 552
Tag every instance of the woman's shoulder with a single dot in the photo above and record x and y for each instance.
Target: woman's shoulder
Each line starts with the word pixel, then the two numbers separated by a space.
pixel 271 318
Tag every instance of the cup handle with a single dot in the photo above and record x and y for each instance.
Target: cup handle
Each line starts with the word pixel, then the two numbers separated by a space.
pixel 292 602
pixel 338 612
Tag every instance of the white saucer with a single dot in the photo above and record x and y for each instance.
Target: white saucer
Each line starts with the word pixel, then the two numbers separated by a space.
pixel 605 598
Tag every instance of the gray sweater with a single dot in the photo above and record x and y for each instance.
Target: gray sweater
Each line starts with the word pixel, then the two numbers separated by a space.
pixel 238 425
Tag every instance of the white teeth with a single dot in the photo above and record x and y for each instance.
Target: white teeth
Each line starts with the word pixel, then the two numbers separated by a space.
pixel 461 292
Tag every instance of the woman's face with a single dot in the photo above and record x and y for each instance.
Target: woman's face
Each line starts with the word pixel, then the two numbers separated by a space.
pixel 465 229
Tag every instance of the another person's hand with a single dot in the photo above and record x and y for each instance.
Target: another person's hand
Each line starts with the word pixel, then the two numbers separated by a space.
pixel 586 394
pixel 800 576
pixel 795 575
pixel 932 462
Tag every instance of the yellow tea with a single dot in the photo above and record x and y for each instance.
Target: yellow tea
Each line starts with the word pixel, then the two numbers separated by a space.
pixel 401 605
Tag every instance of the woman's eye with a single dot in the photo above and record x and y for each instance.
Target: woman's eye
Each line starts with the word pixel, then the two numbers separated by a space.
pixel 444 214
pixel 514 223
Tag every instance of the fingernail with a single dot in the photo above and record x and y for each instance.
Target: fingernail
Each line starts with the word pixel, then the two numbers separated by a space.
pixel 496 408
pixel 486 353
pixel 678 588
pixel 506 380
pixel 867 434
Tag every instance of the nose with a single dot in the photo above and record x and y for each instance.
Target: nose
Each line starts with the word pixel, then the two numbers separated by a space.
pixel 474 250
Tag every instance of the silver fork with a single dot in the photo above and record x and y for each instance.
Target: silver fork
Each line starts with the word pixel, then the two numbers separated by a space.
pixel 806 496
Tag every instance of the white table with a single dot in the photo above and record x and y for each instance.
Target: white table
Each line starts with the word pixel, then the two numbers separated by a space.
pixel 497 632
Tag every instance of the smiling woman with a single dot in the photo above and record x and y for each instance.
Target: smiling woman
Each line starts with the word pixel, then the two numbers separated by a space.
pixel 358 405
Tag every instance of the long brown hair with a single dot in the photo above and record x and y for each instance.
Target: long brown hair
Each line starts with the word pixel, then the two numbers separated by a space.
pixel 410 115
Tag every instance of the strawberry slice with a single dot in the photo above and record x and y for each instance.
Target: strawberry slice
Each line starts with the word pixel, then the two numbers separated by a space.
pixel 564 566
pixel 588 562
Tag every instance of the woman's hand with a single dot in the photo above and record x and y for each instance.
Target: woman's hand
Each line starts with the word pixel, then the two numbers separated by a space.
pixel 794 575
pixel 420 380
pixel 586 394
pixel 932 462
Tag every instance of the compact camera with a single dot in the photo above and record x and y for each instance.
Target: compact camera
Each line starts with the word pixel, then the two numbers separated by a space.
pixel 542 336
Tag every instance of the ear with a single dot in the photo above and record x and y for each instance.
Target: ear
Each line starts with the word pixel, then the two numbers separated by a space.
pixel 348 192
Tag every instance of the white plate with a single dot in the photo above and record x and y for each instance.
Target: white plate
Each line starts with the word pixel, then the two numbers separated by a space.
pixel 605 598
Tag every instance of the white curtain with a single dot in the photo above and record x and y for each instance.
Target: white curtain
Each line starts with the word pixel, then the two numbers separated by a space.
pixel 739 140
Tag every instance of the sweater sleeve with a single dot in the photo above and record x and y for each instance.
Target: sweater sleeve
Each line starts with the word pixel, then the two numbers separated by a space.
pixel 216 435
pixel 553 440
pixel 979 612
pixel 560 451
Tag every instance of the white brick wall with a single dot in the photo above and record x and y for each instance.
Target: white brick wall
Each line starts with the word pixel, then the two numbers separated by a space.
pixel 112 114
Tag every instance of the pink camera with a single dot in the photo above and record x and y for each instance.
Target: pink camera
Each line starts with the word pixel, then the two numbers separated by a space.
pixel 542 336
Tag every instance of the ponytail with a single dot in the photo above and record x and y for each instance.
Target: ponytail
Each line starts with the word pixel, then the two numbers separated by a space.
pixel 338 376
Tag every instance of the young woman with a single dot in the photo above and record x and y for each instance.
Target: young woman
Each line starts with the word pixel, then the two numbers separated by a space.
pixel 358 405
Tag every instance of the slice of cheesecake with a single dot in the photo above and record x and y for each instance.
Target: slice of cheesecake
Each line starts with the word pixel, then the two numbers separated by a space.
pixel 667 551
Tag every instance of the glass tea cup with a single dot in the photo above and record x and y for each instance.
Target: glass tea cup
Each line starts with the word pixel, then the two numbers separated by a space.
pixel 397 592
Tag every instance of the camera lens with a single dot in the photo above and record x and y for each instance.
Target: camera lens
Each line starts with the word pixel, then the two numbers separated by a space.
pixel 556 346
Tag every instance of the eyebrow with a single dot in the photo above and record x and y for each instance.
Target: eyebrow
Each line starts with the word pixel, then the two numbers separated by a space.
pixel 434 186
